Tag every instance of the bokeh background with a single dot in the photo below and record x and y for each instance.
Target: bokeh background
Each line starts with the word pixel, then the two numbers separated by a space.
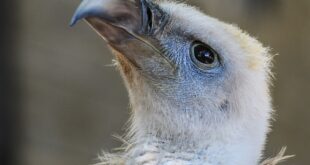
pixel 61 100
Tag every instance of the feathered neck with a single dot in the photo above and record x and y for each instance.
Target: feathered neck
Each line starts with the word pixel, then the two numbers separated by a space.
pixel 154 120
pixel 145 147
pixel 150 158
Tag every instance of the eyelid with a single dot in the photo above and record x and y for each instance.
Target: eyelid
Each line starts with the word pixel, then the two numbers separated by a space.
pixel 201 66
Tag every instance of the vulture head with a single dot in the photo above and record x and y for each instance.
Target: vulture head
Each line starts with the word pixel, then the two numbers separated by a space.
pixel 198 87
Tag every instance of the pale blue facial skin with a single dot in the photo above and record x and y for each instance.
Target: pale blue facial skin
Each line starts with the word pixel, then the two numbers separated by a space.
pixel 190 83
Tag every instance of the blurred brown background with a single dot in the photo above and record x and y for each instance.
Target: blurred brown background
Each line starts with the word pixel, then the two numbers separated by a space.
pixel 62 102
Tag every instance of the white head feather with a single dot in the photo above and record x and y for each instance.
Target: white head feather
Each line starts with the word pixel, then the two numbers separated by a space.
pixel 189 119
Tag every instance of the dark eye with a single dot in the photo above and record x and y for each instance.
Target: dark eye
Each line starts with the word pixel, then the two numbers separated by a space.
pixel 204 56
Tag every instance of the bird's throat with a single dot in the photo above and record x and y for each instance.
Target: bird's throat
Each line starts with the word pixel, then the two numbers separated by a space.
pixel 158 134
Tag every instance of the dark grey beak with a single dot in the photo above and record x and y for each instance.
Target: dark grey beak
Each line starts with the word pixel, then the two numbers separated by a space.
pixel 109 16
pixel 128 26
pixel 119 12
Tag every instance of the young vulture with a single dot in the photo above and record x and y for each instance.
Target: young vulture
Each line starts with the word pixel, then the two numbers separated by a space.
pixel 198 87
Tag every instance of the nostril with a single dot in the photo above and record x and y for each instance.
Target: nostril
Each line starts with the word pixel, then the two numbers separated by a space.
pixel 149 19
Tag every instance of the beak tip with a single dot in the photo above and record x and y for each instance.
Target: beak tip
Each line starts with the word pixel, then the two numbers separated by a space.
pixel 73 21
pixel 80 13
pixel 86 8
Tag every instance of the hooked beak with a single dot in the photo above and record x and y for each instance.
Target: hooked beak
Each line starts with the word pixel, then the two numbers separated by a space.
pixel 125 25
pixel 111 16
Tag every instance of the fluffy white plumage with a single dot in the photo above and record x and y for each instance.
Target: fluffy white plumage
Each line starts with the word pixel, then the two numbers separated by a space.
pixel 218 117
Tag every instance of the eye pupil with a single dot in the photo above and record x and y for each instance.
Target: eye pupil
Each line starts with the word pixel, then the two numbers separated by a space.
pixel 204 55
